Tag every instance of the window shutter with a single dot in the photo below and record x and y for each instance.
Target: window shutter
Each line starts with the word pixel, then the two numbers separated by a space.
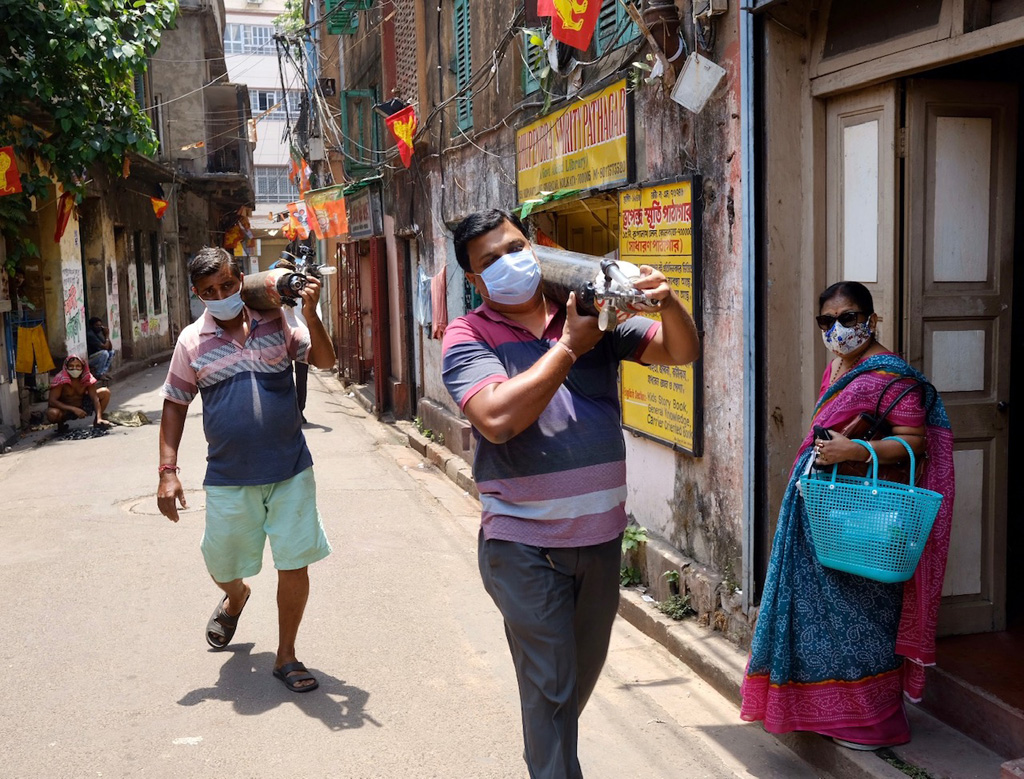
pixel 463 64
pixel 614 27
pixel 533 65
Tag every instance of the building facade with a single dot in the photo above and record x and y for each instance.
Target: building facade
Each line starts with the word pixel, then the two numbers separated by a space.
pixel 276 86
pixel 113 256
pixel 835 141
pixel 890 156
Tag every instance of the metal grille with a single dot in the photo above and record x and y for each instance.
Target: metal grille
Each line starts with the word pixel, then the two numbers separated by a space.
pixel 405 51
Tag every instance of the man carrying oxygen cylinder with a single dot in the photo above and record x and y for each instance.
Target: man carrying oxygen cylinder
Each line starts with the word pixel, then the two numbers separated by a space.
pixel 259 477
pixel 538 383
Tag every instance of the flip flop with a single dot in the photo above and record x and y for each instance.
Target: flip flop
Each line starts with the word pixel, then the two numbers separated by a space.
pixel 221 627
pixel 290 681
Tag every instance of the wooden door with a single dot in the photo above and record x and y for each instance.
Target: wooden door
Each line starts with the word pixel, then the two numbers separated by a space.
pixel 861 192
pixel 960 188
pixel 349 316
pixel 381 324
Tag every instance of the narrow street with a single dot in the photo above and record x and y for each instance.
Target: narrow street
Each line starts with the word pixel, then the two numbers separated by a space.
pixel 106 672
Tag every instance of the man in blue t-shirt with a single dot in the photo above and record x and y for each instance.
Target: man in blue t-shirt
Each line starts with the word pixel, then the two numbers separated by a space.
pixel 259 476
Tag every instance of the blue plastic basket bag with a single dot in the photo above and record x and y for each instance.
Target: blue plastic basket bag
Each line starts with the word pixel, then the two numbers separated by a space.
pixel 866 526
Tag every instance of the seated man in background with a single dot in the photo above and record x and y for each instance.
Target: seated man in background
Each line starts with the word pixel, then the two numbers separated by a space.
pixel 74 394
pixel 101 351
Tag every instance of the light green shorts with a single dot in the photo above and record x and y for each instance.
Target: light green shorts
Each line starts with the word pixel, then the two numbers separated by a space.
pixel 240 519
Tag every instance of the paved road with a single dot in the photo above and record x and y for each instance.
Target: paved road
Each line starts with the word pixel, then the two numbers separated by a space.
pixel 105 672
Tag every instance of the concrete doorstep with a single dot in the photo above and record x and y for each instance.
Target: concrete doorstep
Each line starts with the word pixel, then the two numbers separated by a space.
pixel 937 751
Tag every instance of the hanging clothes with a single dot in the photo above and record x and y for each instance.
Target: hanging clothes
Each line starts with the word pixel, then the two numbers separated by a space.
pixel 422 307
pixel 32 350
pixel 439 301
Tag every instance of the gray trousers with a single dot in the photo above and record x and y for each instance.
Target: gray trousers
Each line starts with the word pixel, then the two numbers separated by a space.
pixel 559 605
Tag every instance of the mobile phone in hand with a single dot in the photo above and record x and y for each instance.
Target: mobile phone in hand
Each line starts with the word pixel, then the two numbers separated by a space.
pixel 821 433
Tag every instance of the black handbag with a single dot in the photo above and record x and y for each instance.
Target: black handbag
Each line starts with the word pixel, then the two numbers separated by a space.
pixel 870 427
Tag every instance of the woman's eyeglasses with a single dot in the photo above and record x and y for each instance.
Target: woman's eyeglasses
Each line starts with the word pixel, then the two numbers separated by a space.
pixel 846 319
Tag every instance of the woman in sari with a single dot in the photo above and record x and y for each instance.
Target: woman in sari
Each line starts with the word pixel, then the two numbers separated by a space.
pixel 835 653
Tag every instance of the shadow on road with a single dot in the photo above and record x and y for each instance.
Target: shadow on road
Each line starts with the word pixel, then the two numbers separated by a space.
pixel 337 705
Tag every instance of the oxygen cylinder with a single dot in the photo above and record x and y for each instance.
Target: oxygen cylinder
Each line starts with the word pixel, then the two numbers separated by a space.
pixel 562 272
pixel 272 289
pixel 603 287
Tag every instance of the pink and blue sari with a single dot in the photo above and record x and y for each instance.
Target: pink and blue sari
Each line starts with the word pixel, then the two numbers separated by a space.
pixel 832 652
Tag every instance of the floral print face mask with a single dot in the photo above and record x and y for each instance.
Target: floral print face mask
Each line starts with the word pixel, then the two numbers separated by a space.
pixel 843 340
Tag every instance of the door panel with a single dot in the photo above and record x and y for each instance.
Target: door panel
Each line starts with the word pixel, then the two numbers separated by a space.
pixel 960 189
pixel 861 198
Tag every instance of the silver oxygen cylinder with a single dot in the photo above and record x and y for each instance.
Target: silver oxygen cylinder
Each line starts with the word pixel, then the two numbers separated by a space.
pixel 604 287
pixel 272 289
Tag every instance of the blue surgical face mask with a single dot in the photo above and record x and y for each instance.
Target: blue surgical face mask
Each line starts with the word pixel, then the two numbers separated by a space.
pixel 513 278
pixel 227 308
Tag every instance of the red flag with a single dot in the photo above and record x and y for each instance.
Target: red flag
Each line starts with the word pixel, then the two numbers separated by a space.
pixel 159 206
pixel 10 179
pixel 64 205
pixel 573 22
pixel 403 127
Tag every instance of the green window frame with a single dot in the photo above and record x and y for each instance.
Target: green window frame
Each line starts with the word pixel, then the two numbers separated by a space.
pixel 359 130
pixel 614 27
pixel 534 62
pixel 463 64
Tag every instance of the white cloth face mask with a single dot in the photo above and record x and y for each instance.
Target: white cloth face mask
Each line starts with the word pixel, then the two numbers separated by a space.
pixel 843 340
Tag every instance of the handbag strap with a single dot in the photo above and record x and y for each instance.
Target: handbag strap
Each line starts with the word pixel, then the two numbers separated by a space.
pixel 880 415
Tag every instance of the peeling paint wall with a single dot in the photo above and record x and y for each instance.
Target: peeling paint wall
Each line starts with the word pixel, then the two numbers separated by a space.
pixel 696 504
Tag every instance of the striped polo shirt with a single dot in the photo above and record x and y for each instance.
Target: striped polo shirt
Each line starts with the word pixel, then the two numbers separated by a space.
pixel 250 412
pixel 562 481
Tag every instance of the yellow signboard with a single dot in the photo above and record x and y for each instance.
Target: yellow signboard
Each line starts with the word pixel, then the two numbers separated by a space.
pixel 582 146
pixel 659 226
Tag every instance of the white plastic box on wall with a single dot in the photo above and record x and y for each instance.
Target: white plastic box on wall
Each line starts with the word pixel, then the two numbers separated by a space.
pixel 697 82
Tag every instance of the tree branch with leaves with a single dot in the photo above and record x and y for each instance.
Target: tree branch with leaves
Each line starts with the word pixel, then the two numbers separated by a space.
pixel 67 79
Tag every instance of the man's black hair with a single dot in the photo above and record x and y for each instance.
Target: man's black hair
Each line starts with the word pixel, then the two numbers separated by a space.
pixel 208 261
pixel 477 224
pixel 851 290
pixel 94 319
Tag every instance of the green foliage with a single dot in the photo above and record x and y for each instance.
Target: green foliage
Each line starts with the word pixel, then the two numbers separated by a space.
pixel 291 20
pixel 672 577
pixel 629 577
pixel 67 89
pixel 293 26
pixel 676 606
pixel 633 536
